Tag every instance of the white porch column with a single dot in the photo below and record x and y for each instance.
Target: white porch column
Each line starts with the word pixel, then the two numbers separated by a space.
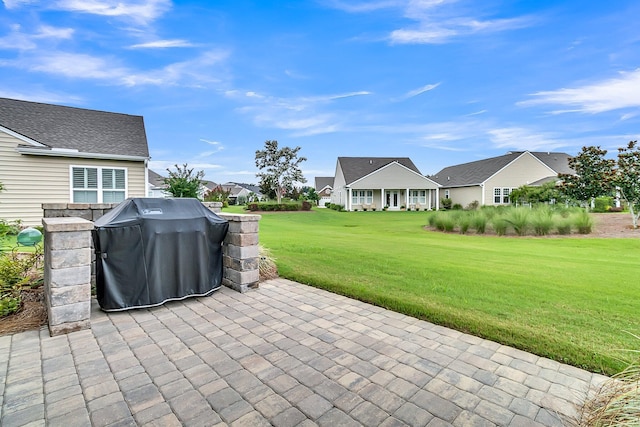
pixel 437 198
pixel 382 201
pixel 406 199
pixel 429 200
pixel 348 201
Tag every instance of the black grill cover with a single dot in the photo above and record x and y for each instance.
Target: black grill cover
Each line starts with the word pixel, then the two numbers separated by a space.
pixel 149 251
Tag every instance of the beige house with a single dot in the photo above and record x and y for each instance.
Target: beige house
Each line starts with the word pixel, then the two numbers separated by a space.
pixel 368 183
pixel 57 154
pixel 491 181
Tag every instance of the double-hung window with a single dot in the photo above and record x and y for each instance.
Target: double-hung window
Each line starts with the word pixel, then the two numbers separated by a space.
pixel 501 195
pixel 98 184
pixel 361 197
pixel 418 197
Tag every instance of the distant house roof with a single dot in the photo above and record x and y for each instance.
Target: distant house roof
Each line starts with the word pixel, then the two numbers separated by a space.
pixel 47 127
pixel 156 180
pixel 475 173
pixel 354 168
pixel 323 182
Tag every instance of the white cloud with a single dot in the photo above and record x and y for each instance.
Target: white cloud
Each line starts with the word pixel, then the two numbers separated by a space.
pixel 218 147
pixel 524 139
pixel 304 116
pixel 19 40
pixel 435 21
pixel 42 96
pixel 14 4
pixel 607 95
pixel 421 90
pixel 139 11
pixel 162 44
pixel 83 66
pixel 363 6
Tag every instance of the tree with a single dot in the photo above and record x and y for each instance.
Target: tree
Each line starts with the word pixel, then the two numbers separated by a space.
pixel 281 167
pixel 217 194
pixel 545 193
pixel 183 183
pixel 627 178
pixel 592 178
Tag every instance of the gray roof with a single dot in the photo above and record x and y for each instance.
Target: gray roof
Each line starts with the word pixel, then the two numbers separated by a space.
pixel 475 173
pixel 354 168
pixel 88 131
pixel 156 180
pixel 323 181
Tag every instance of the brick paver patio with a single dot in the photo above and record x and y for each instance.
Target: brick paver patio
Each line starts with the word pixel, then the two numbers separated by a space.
pixel 283 355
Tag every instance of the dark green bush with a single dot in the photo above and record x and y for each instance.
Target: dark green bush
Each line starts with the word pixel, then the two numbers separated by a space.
pixel 273 207
pixel 445 204
pixel 603 204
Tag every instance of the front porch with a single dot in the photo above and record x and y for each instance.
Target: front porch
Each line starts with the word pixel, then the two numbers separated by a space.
pixel 392 199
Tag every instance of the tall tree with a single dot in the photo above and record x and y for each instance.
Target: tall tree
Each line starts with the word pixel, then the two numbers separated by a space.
pixel 592 178
pixel 183 183
pixel 627 178
pixel 280 167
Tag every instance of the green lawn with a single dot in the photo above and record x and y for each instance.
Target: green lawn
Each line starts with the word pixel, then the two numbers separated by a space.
pixel 570 299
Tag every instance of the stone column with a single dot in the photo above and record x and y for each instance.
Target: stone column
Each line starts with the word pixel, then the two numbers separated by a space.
pixel 240 252
pixel 67 273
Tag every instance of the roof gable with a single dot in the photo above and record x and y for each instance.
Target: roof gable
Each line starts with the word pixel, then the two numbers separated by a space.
pixel 355 168
pixel 75 129
pixel 322 182
pixel 475 173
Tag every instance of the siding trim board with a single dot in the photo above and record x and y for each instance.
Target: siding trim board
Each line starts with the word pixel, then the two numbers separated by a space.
pixel 21 137
pixel 76 154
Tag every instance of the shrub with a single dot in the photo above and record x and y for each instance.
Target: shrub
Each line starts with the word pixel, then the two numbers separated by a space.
pixel 518 218
pixel 479 222
pixel 445 204
pixel 464 222
pixel 602 204
pixel 274 207
pixel 457 207
pixel 17 271
pixel 473 206
pixel 266 265
pixel 444 222
pixel 306 206
pixel 563 226
pixel 499 225
pixel 9 227
pixel 583 222
pixel 542 221
pixel 337 207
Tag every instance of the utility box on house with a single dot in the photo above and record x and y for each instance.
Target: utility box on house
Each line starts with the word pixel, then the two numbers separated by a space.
pixel 150 251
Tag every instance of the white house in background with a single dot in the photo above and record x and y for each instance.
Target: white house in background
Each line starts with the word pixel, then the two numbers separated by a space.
pixel 491 181
pixel 323 187
pixel 382 182
pixel 156 186
pixel 57 154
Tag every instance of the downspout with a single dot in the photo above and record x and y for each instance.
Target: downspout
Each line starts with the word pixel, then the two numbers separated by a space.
pixel 146 177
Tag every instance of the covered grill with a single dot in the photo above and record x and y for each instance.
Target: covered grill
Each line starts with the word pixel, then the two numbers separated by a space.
pixel 150 251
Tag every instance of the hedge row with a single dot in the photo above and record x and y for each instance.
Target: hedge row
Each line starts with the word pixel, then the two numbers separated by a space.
pixel 279 207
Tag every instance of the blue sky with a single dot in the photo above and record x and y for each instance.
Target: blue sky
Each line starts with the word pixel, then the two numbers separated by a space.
pixel 443 82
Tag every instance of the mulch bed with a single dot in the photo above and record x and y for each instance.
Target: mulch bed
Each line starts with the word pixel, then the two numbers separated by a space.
pixel 32 314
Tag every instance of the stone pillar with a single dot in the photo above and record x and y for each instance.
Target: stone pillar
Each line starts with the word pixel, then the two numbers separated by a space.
pixel 215 207
pixel 67 273
pixel 240 252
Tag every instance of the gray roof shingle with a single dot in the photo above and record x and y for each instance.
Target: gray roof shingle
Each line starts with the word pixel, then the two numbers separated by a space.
pixel 323 181
pixel 355 168
pixel 475 173
pixel 88 131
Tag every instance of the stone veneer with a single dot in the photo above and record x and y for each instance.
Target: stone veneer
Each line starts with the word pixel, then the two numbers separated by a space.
pixel 240 257
pixel 69 257
pixel 67 273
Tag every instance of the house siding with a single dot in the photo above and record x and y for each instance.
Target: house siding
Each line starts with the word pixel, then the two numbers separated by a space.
pixel 464 195
pixel 30 181
pixel 522 171
pixel 340 194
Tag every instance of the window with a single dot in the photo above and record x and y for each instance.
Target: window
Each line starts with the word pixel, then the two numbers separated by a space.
pixel 98 185
pixel 361 197
pixel 418 197
pixel 446 194
pixel 501 196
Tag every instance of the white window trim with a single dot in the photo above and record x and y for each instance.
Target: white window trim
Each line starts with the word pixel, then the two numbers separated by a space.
pixel 501 193
pixel 100 190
